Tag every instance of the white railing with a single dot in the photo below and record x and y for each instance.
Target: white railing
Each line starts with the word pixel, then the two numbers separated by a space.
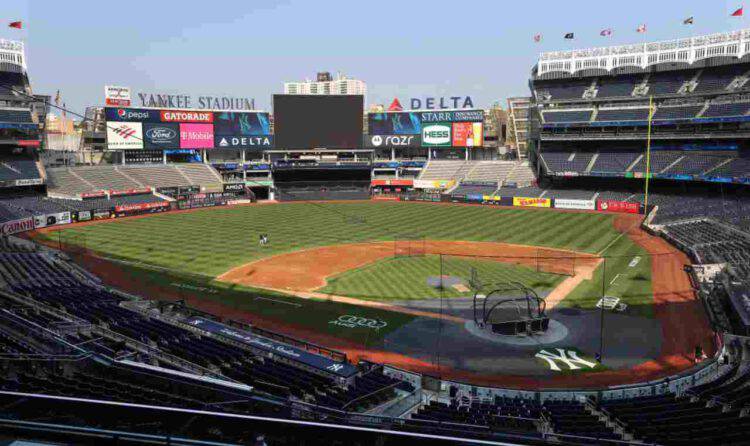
pixel 689 50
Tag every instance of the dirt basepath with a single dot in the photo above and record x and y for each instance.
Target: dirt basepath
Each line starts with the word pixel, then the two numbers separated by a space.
pixel 302 272
pixel 684 323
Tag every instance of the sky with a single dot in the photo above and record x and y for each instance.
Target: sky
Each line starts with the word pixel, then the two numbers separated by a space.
pixel 402 48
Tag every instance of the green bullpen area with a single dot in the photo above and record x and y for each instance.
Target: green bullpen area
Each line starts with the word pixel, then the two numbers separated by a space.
pixel 185 252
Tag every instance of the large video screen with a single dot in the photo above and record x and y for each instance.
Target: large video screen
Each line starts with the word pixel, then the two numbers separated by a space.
pixel 169 129
pixel 316 121
pixel 438 128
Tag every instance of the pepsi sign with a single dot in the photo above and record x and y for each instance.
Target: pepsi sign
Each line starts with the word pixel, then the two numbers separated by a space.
pixel 122 114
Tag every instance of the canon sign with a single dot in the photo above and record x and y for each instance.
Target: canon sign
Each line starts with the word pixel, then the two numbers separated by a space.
pixel 436 135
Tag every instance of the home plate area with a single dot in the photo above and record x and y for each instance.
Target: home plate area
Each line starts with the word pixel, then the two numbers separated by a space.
pixel 570 345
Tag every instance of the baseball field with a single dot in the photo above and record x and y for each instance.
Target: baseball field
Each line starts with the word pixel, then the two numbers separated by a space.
pixel 326 262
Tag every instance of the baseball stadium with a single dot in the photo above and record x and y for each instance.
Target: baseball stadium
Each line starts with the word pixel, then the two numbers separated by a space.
pixel 327 274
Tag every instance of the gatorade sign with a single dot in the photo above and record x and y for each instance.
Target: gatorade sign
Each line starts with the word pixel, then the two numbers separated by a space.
pixel 436 134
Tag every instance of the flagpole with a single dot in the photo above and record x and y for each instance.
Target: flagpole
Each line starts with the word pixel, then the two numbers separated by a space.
pixel 648 149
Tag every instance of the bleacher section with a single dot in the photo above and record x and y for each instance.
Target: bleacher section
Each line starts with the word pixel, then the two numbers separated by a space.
pixel 622 114
pixel 616 87
pixel 567 116
pixel 18 168
pixel 24 206
pixel 671 162
pixel 445 170
pixel 77 180
pixel 726 109
pixel 51 283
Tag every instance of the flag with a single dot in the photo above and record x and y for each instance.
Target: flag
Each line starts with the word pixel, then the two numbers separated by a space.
pixel 537 38
pixel 737 12
pixel 641 28
pixel 688 21
pixel 57 98
pixel 17 25
pixel 606 32
pixel 569 35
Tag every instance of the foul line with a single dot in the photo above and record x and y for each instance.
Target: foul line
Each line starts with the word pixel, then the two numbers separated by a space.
pixel 279 301
pixel 611 243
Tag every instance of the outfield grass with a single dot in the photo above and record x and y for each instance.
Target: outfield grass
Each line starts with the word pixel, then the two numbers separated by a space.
pixel 210 242
pixel 404 278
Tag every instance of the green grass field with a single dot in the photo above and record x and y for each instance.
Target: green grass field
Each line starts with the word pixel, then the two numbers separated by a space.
pixel 209 242
pixel 406 277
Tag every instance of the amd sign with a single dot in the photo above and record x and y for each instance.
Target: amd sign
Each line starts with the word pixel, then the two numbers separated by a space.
pixel 442 102
pixel 375 141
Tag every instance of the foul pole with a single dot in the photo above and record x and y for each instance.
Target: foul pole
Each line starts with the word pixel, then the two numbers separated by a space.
pixel 648 149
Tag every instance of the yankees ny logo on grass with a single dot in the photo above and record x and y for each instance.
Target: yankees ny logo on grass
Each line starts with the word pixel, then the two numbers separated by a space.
pixel 567 357
pixel 350 321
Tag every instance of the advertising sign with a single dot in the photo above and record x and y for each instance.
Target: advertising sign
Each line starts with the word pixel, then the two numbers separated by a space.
pixel 97 194
pixel 121 114
pixel 196 136
pixel 566 203
pixel 234 187
pixel 394 182
pixel 28 182
pixel 438 134
pixel 452 116
pixel 532 202
pixel 394 123
pixel 141 206
pixel 16 226
pixel 84 215
pixel 117 96
pixel 388 141
pixel 618 206
pixel 320 362
pixel 441 102
pixel 464 134
pixel 434 184
pixel 60 218
pixel 125 135
pixel 242 142
pixel 161 136
pixel 242 124
pixel 186 116
pixel 115 193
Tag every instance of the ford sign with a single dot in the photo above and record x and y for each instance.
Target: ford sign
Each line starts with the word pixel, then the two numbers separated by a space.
pixel 161 134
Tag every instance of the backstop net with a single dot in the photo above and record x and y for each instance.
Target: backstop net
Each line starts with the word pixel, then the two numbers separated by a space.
pixel 409 245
